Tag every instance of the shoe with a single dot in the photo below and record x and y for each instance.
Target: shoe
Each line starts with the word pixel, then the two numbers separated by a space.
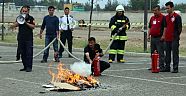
pixel 110 61
pixel 174 71
pixel 17 58
pixel 122 61
pixel 165 70
pixel 43 61
pixel 22 69
pixel 57 60
pixel 28 70
pixel 149 68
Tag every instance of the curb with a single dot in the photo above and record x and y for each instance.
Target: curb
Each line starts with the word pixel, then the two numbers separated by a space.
pixel 133 54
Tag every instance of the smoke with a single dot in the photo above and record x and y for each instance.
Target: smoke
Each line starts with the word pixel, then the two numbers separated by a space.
pixel 81 68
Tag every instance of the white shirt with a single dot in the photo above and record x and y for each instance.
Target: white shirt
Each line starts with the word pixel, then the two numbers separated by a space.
pixel 63 22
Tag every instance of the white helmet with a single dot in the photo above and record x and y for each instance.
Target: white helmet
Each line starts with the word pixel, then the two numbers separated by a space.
pixel 120 8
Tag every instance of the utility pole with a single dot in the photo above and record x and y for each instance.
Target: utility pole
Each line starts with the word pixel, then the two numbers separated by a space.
pixel 145 25
pixel 90 21
pixel 3 20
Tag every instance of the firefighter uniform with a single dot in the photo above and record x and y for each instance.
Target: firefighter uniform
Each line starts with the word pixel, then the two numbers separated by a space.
pixel 118 24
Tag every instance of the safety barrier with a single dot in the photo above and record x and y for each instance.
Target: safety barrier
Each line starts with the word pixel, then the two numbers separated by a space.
pixel 7 62
pixel 94 24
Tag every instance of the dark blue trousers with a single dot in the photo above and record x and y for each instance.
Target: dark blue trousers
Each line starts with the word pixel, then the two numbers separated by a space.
pixel 48 39
pixel 26 49
pixel 172 47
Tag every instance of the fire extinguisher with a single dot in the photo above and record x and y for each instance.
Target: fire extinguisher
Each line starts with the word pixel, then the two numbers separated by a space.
pixel 96 65
pixel 155 62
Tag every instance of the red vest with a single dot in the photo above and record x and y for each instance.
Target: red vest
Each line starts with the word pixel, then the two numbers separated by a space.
pixel 169 33
pixel 156 22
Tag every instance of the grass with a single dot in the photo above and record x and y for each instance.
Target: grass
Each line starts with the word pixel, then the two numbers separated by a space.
pixel 81 43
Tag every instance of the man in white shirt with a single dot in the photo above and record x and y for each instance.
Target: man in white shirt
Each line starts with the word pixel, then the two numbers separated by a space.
pixel 66 26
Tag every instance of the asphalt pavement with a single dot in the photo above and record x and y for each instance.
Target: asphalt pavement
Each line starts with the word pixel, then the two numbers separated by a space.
pixel 121 79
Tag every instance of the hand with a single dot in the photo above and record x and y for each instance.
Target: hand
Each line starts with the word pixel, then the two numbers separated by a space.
pixel 90 61
pixel 40 36
pixel 148 38
pixel 61 31
pixel 121 28
pixel 58 36
pixel 162 38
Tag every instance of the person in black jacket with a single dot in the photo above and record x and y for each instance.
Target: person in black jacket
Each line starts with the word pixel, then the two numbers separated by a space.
pixel 91 51
pixel 25 39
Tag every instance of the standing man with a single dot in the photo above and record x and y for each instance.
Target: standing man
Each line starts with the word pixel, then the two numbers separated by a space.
pixel 91 51
pixel 172 37
pixel 66 26
pixel 25 39
pixel 51 22
pixel 157 26
pixel 118 24
pixel 18 54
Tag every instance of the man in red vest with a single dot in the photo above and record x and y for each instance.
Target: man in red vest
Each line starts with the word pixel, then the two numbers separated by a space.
pixel 157 26
pixel 172 37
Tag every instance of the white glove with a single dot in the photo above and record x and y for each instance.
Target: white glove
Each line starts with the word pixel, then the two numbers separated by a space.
pixel 120 28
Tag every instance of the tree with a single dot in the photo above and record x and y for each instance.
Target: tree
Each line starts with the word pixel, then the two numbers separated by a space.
pixel 181 7
pixel 111 6
pixel 87 6
pixel 98 8
pixel 24 2
pixel 6 1
pixel 139 4
pixel 60 4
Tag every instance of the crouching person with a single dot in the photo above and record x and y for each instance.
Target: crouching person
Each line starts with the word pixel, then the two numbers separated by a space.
pixel 91 51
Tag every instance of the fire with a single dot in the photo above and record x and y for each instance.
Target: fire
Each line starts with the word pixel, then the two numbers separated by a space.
pixel 65 75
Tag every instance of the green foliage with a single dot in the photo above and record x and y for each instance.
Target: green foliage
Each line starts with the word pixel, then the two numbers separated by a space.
pixel 181 7
pixel 111 6
pixel 87 6
pixel 139 4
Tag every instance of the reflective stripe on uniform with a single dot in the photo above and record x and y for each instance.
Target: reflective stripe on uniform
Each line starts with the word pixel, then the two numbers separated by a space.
pixel 113 27
pixel 115 38
pixel 120 51
pixel 120 20
pixel 123 37
pixel 111 51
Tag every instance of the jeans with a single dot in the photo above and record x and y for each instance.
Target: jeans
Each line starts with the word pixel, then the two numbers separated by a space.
pixel 48 39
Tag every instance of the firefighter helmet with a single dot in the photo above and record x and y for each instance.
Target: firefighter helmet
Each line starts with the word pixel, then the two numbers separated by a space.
pixel 120 8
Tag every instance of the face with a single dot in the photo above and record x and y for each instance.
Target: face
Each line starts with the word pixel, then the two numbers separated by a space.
pixel 120 13
pixel 51 11
pixel 169 9
pixel 156 11
pixel 66 11
pixel 91 43
pixel 24 11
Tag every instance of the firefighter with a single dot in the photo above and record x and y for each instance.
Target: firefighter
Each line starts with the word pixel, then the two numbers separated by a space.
pixel 119 23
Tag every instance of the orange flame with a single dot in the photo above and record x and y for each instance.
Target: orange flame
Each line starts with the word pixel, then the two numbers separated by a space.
pixel 65 75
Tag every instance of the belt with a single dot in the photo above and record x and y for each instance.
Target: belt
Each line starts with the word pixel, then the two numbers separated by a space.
pixel 156 36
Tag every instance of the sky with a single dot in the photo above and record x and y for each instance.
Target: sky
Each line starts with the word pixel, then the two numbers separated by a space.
pixel 103 2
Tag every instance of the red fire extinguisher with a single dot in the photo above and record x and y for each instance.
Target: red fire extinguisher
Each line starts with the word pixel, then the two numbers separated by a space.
pixel 96 65
pixel 155 62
